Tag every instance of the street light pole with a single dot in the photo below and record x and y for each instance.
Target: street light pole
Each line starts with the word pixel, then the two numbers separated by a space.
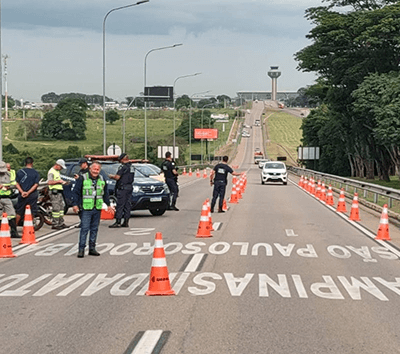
pixel 202 115
pixel 1 97
pixel 104 66
pixel 173 91
pixel 145 101
pixel 190 124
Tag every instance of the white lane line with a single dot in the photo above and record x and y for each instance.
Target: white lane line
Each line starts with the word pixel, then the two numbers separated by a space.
pixel 358 226
pixel 148 341
pixel 194 262
pixel 216 225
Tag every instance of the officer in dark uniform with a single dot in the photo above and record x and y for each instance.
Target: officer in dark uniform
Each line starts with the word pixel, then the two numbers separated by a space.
pixel 219 178
pixel 171 179
pixel 123 190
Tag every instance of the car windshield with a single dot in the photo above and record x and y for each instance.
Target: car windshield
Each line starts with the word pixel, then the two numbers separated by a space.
pixel 113 168
pixel 275 165
pixel 146 170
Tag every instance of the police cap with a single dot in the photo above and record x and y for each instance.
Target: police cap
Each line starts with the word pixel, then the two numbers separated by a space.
pixel 120 157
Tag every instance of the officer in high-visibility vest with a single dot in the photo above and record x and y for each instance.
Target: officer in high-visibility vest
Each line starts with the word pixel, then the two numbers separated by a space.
pixel 89 194
pixel 56 194
pixel 6 190
pixel 13 175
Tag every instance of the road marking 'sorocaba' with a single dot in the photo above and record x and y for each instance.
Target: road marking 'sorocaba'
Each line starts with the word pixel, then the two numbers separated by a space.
pixel 149 342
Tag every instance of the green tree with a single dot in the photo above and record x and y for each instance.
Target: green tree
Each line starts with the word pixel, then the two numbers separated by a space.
pixel 183 102
pixel 28 129
pixel 346 47
pixel 67 121
pixel 112 116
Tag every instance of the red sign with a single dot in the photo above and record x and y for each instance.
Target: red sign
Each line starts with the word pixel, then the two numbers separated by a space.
pixel 206 133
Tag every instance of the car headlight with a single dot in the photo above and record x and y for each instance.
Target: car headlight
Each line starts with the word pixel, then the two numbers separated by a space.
pixel 166 189
pixel 136 189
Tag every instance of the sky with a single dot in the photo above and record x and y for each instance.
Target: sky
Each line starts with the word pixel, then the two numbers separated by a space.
pixel 57 46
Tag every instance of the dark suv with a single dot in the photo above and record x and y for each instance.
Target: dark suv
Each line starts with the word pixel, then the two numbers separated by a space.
pixel 148 193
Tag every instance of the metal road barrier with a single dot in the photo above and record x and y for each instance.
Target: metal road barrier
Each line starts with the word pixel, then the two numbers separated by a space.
pixel 379 194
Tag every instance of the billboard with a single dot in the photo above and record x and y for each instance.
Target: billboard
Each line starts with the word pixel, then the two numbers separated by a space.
pixel 159 93
pixel 206 134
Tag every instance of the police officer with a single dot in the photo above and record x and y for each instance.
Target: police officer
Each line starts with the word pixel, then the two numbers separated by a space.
pixel 90 193
pixel 123 191
pixel 171 179
pixel 84 168
pixel 56 194
pixel 219 178
pixel 5 198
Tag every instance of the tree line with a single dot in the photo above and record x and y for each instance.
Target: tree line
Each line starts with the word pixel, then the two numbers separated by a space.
pixel 355 53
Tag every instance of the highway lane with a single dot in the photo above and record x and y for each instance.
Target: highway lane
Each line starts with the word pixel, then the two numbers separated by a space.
pixel 281 274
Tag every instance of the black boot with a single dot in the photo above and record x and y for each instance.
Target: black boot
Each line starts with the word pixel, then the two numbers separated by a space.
pixel 13 228
pixel 126 223
pixel 81 253
pixel 93 252
pixel 116 224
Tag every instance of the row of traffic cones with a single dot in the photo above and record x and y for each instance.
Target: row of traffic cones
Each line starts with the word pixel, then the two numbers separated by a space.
pixel 320 193
pixel 28 234
pixel 238 188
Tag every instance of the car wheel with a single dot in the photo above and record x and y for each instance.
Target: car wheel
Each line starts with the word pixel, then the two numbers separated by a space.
pixel 158 211
pixel 113 201
pixel 284 183
pixel 262 182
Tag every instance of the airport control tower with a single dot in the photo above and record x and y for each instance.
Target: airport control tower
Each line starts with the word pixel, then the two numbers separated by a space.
pixel 274 73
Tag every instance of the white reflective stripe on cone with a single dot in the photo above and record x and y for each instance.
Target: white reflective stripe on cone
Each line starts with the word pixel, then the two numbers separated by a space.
pixel 159 262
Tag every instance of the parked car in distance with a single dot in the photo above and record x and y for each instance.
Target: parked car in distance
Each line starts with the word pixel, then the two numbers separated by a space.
pixel 274 171
pixel 148 193
pixel 245 134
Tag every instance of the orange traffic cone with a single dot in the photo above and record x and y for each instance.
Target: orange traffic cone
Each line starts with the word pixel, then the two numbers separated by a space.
pixel 107 214
pixel 322 196
pixel 28 231
pixel 301 182
pixel 354 212
pixel 190 172
pixel 312 190
pixel 5 239
pixel 329 197
pixel 204 173
pixel 234 198
pixel 318 190
pixel 234 180
pixel 210 223
pixel 224 206
pixel 204 225
pixel 383 231
pixel 184 172
pixel 341 207
pixel 159 283
pixel 238 191
pixel 305 183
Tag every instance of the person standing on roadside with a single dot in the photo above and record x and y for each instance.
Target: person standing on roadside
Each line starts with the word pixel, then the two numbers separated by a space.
pixel 84 168
pixel 90 192
pixel 123 189
pixel 12 174
pixel 27 180
pixel 219 178
pixel 171 179
pixel 6 204
pixel 56 194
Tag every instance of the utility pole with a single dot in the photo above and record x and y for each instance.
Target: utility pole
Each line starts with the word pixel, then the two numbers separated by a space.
pixel 5 57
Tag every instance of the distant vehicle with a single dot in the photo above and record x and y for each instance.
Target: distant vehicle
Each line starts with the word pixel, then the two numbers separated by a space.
pixel 257 122
pixel 274 171
pixel 262 162
pixel 281 105
pixel 246 126
pixel 245 134
pixel 258 155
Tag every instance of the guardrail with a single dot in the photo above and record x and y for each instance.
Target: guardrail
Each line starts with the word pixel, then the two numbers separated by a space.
pixel 375 190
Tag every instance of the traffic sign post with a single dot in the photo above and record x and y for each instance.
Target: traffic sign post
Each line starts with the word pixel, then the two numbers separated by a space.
pixel 114 150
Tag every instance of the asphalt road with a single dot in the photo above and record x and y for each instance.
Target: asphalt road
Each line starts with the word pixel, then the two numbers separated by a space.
pixel 282 273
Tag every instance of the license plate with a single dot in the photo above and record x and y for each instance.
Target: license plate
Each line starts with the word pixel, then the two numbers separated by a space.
pixel 156 199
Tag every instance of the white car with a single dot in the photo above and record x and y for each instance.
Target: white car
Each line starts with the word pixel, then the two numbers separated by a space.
pixel 274 171
pixel 245 134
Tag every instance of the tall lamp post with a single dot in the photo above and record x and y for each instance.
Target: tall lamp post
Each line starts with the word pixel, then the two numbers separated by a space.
pixel 190 124
pixel 173 91
pixel 104 66
pixel 202 115
pixel 145 101
pixel 1 97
